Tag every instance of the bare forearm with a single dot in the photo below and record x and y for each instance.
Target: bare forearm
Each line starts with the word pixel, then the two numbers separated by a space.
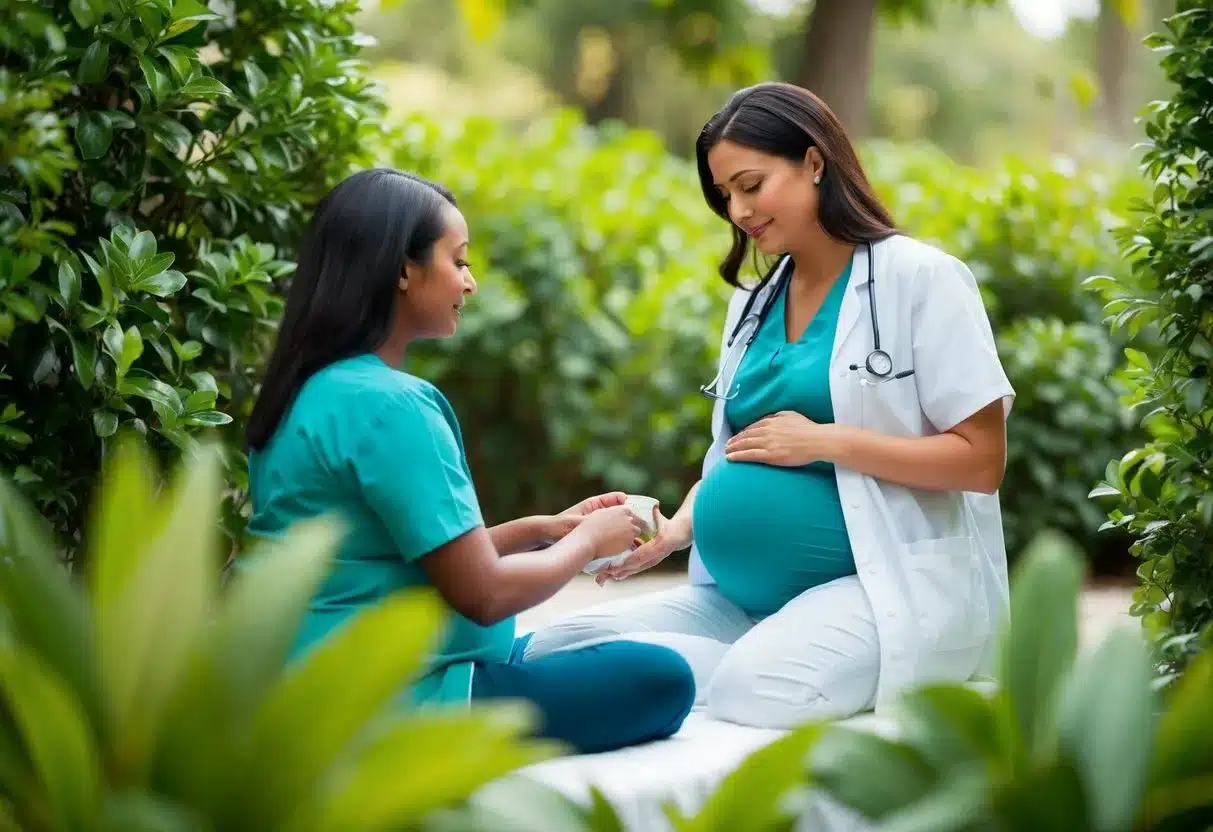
pixel 681 520
pixel 522 535
pixel 944 462
pixel 529 578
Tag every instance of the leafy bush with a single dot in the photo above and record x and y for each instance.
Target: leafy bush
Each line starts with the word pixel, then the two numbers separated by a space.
pixel 1073 742
pixel 138 701
pixel 1068 420
pixel 158 161
pixel 1163 490
pixel 579 365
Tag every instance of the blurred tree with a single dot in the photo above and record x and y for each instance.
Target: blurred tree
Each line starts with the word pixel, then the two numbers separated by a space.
pixel 1118 36
pixel 837 50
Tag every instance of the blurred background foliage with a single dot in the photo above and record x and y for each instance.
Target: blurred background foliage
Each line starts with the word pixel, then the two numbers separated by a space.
pixel 565 129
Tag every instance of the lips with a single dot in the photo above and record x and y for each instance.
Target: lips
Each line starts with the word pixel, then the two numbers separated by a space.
pixel 757 231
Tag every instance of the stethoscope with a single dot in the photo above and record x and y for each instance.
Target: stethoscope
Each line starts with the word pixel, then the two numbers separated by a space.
pixel 878 363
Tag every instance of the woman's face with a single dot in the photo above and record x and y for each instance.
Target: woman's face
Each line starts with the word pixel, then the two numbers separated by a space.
pixel 436 290
pixel 770 198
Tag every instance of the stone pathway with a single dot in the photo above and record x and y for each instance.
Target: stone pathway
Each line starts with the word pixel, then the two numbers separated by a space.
pixel 1102 607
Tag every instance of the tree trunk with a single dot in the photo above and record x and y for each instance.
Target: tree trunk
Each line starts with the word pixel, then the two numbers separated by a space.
pixel 1114 62
pixel 837 59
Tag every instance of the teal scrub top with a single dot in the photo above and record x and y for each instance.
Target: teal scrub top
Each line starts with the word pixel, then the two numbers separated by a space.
pixel 383 450
pixel 768 533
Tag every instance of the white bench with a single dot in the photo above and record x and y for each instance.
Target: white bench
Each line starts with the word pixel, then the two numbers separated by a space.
pixel 683 770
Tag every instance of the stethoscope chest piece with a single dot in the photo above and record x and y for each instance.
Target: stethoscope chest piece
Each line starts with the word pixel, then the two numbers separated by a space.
pixel 879 363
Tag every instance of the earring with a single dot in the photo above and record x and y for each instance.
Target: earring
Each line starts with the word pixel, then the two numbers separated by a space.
pixel 817 179
pixel 404 284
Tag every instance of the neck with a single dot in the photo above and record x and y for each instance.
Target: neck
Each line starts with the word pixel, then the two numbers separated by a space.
pixel 393 349
pixel 820 259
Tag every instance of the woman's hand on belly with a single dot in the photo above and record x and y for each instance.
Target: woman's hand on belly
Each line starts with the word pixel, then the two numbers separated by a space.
pixel 786 439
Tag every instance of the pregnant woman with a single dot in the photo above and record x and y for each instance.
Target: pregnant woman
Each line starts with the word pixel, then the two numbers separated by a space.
pixel 847 540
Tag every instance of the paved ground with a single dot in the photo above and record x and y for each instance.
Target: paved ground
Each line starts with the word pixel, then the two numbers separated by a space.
pixel 1102 608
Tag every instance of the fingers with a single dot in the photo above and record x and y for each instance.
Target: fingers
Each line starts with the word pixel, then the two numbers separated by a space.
pixel 742 443
pixel 752 455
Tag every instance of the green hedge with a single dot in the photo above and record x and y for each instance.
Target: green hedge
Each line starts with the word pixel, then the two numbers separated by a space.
pixel 1162 490
pixel 578 366
pixel 157 163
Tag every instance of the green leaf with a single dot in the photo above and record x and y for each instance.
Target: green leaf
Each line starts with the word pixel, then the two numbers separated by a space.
pixel 45 610
pixel 158 83
pixel 181 60
pixel 55 731
pixel 105 423
pixel 205 86
pixel 186 15
pixel 959 803
pixel 1184 739
pixel 135 811
pixel 172 134
pixel 461 752
pixel 162 284
pixel 1039 649
pixel 132 348
pixel 1105 724
pixel 22 307
pixel 870 774
pixel 953 727
pixel 243 657
pixel 142 246
pixel 208 418
pixel 93 134
pixel 124 520
pixel 95 63
pixel 187 351
pixel 327 698
pixel 154 390
pixel 84 354
pixel 255 77
pixel 87 12
pixel 159 614
pixel 520 804
pixel 750 796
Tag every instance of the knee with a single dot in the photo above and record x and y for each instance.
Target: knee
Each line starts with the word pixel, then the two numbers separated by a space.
pixel 662 684
pixel 746 690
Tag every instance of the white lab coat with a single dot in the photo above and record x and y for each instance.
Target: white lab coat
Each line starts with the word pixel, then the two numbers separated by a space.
pixel 933 564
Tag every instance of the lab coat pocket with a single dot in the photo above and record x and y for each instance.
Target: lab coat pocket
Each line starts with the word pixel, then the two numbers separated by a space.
pixel 946 593
pixel 890 408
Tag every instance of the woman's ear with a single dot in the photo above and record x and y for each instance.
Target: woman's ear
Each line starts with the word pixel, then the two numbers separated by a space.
pixel 409 272
pixel 815 163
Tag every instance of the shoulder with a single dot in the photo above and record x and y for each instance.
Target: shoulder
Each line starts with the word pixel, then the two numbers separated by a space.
pixel 371 394
pixel 920 268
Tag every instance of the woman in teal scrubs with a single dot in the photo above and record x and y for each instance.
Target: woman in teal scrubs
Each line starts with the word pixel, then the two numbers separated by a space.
pixel 339 429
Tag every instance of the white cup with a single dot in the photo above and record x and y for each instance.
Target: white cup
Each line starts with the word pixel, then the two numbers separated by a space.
pixel 643 507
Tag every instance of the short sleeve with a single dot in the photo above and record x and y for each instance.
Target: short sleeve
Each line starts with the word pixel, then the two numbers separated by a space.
pixel 413 473
pixel 956 359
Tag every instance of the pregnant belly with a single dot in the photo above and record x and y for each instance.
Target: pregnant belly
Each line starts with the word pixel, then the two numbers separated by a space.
pixel 766 533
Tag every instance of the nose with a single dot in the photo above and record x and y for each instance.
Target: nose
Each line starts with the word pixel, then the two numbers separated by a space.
pixel 469 284
pixel 739 212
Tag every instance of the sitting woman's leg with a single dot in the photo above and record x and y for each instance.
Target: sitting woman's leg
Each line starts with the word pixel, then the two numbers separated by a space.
pixel 696 621
pixel 817 658
pixel 596 698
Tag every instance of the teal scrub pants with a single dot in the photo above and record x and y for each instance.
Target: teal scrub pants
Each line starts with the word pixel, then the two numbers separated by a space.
pixel 596 698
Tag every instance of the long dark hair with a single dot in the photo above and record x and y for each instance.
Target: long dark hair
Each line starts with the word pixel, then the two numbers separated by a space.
pixel 343 293
pixel 785 120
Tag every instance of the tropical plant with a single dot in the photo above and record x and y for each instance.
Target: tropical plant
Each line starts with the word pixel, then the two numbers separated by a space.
pixel 157 162
pixel 1162 491
pixel 1067 741
pixel 140 699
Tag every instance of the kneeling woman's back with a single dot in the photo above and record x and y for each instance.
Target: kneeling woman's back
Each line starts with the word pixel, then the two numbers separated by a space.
pixel 340 430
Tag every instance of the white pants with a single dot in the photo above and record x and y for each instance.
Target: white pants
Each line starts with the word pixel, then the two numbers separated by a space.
pixel 816 658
